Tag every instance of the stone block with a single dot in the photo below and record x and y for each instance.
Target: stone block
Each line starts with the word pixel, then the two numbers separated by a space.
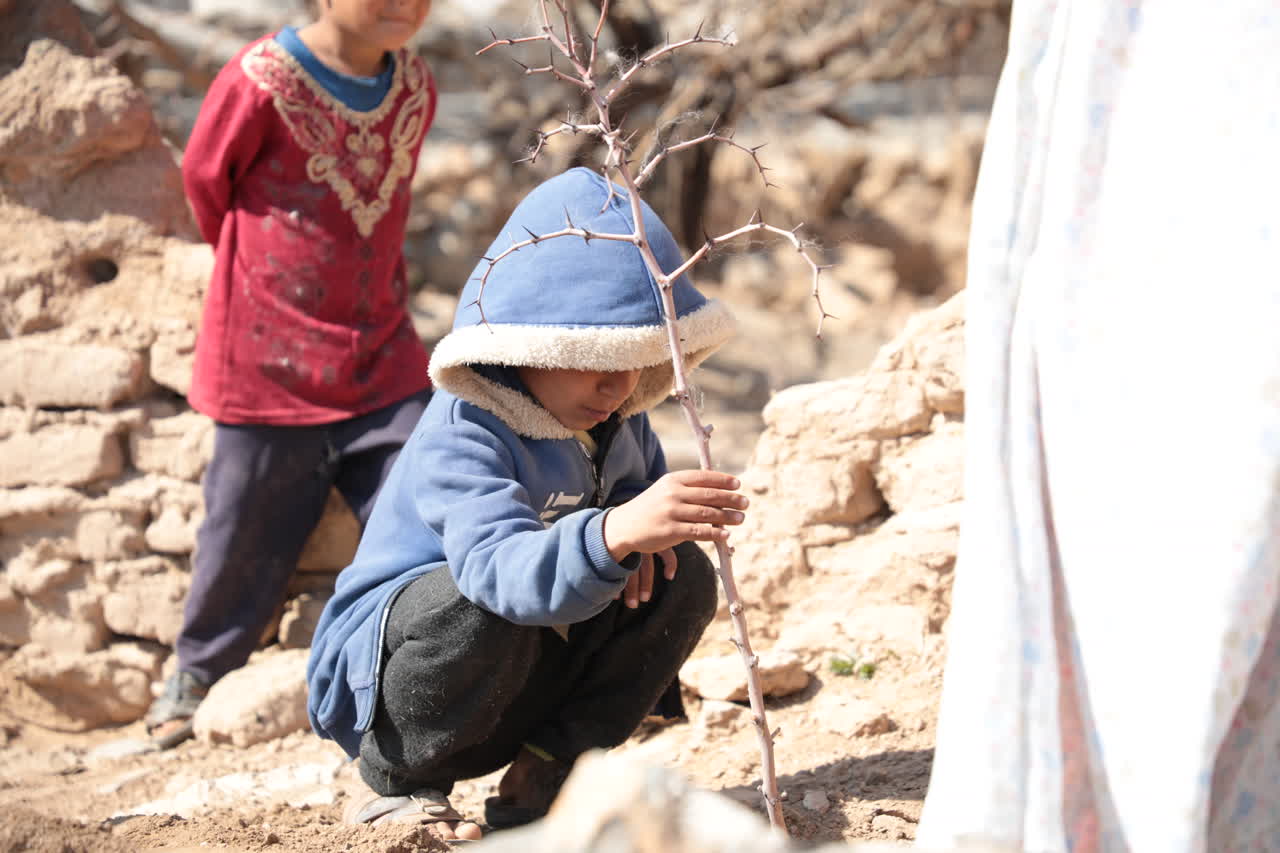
pixel 265 700
pixel 60 455
pixel 144 598
pixel 53 603
pixel 44 374
pixel 77 692
pixel 923 472
pixel 179 446
pixel 725 677
pixel 298 624
pixel 333 543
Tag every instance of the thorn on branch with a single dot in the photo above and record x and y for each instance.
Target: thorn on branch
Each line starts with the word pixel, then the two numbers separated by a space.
pixel 536 239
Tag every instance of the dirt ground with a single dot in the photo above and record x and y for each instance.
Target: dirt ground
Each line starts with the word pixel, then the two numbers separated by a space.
pixel 61 792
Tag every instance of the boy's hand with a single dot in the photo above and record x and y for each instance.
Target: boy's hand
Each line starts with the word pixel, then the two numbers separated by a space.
pixel 639 586
pixel 683 506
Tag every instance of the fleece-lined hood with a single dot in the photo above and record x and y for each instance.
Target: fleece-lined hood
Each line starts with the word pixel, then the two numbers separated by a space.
pixel 572 303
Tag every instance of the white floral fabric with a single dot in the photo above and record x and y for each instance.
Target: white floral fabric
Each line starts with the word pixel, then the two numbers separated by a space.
pixel 1114 667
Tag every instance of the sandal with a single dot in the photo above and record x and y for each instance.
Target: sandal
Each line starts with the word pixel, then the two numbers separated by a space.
pixel 538 779
pixel 169 721
pixel 425 805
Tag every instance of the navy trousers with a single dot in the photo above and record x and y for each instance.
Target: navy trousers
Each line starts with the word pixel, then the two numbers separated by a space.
pixel 264 491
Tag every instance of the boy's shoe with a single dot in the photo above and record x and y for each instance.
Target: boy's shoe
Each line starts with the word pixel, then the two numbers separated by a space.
pixel 526 791
pixel 169 720
pixel 425 805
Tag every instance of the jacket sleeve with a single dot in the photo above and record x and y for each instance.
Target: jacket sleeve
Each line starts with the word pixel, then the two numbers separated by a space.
pixel 228 134
pixel 501 556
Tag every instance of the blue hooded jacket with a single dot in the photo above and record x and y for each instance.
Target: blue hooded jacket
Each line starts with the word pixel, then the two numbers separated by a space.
pixel 490 485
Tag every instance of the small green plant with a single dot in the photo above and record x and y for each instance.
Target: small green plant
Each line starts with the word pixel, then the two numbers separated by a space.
pixel 844 665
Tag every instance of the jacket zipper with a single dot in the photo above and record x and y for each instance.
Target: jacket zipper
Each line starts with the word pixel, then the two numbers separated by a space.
pixel 597 499
pixel 596 463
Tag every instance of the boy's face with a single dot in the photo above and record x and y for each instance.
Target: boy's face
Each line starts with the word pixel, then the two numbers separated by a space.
pixel 579 399
pixel 386 24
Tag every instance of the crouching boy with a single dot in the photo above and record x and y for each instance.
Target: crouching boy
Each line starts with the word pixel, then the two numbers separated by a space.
pixel 527 585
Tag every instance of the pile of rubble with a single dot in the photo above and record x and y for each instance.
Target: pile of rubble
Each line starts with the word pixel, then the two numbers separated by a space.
pixel 101 458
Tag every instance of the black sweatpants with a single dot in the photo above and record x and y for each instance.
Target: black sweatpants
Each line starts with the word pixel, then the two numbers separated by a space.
pixel 264 491
pixel 462 689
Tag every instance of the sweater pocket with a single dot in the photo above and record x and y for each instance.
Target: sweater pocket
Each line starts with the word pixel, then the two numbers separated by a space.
pixel 280 341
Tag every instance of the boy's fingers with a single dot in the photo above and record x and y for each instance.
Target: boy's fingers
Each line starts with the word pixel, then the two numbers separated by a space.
pixel 646 578
pixel 640 585
pixel 709 515
pixel 669 563
pixel 715 497
pixel 714 479
pixel 705 533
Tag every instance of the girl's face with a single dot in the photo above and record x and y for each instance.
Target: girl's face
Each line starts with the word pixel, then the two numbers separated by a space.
pixel 385 24
pixel 579 399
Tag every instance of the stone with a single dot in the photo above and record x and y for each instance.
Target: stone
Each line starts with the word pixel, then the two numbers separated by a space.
pixel 15 621
pixel 60 455
pixel 715 714
pixel 45 374
pixel 109 534
pixel 815 800
pixel 36 502
pixel 144 598
pixel 725 677
pixel 923 472
pixel 298 623
pixel 77 692
pixel 54 603
pixel 179 446
pixel 97 195
pixel 332 545
pixel 894 827
pixel 853 717
pixel 265 700
pixel 877 629
pixel 908 557
pixel 173 532
pixel 932 345
pixel 615 803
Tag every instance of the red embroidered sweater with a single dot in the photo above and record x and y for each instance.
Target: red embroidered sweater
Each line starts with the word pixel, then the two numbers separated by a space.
pixel 305 202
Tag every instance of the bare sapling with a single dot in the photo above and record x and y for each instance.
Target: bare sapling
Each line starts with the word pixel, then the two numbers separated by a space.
pixel 582 57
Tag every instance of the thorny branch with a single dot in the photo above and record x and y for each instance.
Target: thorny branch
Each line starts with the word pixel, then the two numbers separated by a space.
pixel 617 165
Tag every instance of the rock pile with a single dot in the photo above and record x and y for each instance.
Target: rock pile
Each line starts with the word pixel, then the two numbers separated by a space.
pixel 100 458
